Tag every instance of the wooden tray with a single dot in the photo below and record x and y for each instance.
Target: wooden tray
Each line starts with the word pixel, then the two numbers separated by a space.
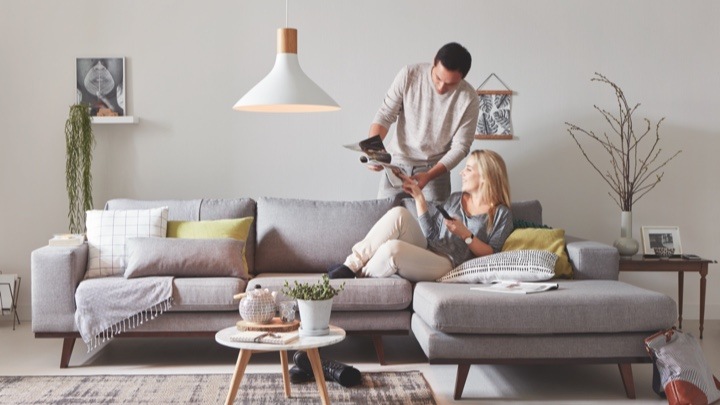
pixel 276 325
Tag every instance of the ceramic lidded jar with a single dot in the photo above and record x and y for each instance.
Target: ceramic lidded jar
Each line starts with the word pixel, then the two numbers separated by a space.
pixel 258 306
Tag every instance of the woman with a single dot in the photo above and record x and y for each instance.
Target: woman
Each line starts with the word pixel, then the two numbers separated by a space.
pixel 428 247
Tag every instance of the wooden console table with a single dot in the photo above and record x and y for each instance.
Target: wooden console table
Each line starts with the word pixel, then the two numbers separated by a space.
pixel 640 263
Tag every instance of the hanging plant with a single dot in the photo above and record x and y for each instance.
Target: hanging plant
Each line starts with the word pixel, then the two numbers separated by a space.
pixel 79 143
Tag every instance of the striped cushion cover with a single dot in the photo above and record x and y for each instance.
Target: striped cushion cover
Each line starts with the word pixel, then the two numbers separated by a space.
pixel 516 265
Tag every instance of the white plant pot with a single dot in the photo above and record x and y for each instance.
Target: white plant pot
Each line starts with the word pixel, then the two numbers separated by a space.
pixel 314 317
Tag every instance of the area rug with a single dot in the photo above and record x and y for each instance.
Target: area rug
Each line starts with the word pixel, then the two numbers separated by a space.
pixel 407 387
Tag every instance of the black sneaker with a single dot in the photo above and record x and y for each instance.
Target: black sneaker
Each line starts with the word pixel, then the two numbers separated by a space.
pixel 298 376
pixel 340 271
pixel 345 375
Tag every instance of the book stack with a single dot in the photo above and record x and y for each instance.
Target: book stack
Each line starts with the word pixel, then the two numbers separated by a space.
pixel 67 239
pixel 277 338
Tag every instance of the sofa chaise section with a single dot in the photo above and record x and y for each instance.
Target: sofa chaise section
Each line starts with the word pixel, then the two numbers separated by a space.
pixel 593 318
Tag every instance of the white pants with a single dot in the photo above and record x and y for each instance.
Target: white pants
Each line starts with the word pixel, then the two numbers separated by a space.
pixel 396 244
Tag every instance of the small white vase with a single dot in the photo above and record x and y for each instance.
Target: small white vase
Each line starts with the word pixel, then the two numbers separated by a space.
pixel 314 317
pixel 626 245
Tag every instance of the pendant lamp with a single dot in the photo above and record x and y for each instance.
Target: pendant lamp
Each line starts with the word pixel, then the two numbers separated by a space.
pixel 286 88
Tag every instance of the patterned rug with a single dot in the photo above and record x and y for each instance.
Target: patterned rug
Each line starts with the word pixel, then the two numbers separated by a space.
pixel 377 388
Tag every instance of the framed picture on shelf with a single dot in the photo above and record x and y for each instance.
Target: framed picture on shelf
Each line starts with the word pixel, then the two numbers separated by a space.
pixel 661 236
pixel 100 83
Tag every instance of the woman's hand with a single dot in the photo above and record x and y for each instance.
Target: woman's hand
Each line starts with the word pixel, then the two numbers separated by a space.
pixel 410 186
pixel 457 228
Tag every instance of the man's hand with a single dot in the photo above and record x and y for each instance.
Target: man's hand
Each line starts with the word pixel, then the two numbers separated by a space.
pixel 410 186
pixel 422 179
pixel 373 167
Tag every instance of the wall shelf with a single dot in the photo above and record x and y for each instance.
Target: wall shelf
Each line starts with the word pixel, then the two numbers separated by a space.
pixel 128 119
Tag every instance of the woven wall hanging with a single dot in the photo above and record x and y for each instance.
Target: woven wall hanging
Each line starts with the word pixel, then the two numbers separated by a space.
pixel 494 120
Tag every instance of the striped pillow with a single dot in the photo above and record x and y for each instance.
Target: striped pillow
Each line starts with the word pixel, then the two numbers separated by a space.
pixel 516 265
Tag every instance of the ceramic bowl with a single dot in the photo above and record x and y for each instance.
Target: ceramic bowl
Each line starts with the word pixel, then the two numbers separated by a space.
pixel 664 252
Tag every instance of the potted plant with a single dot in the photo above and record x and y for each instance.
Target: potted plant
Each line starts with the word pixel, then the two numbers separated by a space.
pixel 79 143
pixel 314 304
pixel 635 167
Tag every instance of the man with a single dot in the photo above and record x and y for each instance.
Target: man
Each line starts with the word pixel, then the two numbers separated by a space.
pixel 436 112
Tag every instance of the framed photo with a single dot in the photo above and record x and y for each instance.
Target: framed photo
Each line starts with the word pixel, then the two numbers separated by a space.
pixel 658 236
pixel 100 83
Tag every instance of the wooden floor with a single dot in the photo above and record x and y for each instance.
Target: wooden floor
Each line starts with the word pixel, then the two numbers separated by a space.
pixel 22 354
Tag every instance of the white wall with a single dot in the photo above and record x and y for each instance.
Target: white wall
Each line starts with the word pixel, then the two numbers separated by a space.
pixel 188 62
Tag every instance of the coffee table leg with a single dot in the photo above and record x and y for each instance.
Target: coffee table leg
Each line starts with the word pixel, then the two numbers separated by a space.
pixel 286 375
pixel 314 357
pixel 242 362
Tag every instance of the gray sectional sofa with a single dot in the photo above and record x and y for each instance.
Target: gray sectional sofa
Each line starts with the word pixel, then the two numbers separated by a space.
pixel 591 319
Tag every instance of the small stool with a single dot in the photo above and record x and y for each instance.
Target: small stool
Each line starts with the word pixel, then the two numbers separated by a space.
pixel 9 292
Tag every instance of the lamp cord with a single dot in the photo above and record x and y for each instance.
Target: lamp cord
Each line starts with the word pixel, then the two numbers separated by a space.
pixel 286 13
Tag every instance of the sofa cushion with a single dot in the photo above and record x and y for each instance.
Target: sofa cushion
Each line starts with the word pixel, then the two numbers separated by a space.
pixel 187 210
pixel 552 240
pixel 518 265
pixel 305 236
pixel 206 294
pixel 184 257
pixel 108 230
pixel 200 210
pixel 235 228
pixel 360 294
pixel 578 306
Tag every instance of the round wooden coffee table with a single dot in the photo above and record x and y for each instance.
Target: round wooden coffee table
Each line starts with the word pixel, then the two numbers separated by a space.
pixel 308 343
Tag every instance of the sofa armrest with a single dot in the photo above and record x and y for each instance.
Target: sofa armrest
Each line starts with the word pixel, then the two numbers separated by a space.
pixel 55 273
pixel 593 260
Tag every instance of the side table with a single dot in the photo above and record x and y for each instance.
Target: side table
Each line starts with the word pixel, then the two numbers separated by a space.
pixel 9 292
pixel 308 343
pixel 681 266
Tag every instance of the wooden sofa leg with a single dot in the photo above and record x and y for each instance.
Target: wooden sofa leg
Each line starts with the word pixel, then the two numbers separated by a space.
pixel 67 349
pixel 627 379
pixel 460 378
pixel 379 350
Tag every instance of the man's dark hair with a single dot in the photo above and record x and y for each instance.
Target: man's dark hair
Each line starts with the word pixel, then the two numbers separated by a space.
pixel 454 57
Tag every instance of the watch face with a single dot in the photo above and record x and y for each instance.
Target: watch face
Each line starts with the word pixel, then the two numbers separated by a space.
pixel 468 240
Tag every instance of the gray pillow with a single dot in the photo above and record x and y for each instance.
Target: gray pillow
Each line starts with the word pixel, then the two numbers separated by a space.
pixel 513 265
pixel 184 257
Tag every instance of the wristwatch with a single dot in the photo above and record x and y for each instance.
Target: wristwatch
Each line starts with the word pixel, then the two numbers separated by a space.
pixel 469 239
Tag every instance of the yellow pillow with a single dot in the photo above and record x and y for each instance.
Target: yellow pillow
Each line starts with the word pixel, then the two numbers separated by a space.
pixel 214 229
pixel 552 240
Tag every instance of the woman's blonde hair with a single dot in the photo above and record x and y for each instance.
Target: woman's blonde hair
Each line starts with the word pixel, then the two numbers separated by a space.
pixel 496 188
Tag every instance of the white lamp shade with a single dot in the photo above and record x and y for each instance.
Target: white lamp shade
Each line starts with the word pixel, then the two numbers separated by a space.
pixel 286 88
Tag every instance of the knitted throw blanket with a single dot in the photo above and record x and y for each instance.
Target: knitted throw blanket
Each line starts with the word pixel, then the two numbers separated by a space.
pixel 109 306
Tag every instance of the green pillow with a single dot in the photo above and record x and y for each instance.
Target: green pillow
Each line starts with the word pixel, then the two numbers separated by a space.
pixel 552 240
pixel 214 229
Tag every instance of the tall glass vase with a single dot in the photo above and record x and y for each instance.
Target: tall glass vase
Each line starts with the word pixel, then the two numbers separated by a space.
pixel 626 245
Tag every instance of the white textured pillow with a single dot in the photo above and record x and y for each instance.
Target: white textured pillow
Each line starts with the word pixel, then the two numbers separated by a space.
pixel 107 231
pixel 516 265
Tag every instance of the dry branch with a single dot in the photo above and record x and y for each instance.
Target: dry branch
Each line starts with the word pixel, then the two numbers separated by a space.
pixel 632 173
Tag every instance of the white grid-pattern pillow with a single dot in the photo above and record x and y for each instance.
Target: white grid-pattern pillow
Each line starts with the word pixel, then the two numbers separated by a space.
pixel 515 265
pixel 107 231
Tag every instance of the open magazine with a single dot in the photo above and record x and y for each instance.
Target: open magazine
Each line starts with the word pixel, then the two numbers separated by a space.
pixel 517 287
pixel 374 153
